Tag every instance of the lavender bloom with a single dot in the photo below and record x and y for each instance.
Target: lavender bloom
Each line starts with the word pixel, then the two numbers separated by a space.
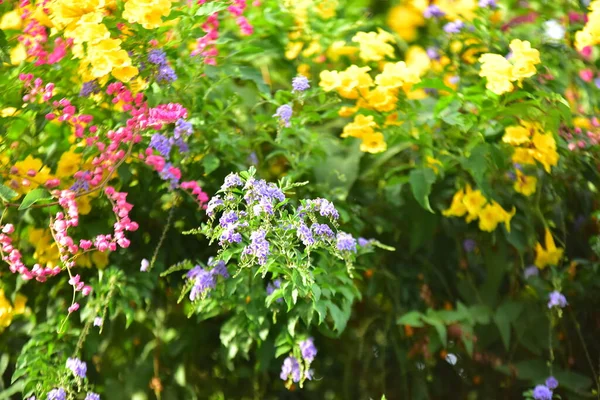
pixel 322 230
pixel 157 57
pixel 166 74
pixel 92 396
pixel 259 246
pixel 308 349
pixel 228 218
pixel 212 205
pixel 362 242
pixel 454 79
pixel 454 27
pixel 219 267
pixel 232 180
pixel 204 281
pixel 552 383
pixel 252 159
pixel 144 265
pixel 530 271
pixel 284 113
pixel 168 175
pixel 345 242
pixel 181 144
pixel 261 194
pixel 57 394
pixel 98 321
pixel 541 392
pixel 305 235
pixel 161 143
pixel 78 367
pixel 325 208
pixel 433 53
pixel 488 3
pixel 309 374
pixel 433 11
pixel 300 83
pixel 80 184
pixel 469 245
pixel 182 127
pixel 597 82
pixel 556 299
pixel 88 88
pixel 230 235
pixel 290 368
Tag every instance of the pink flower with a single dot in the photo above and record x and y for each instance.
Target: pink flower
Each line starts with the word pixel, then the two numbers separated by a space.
pixel 74 307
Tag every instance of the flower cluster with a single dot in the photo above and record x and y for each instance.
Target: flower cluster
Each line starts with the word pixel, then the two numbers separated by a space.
pixel 544 392
pixel 502 72
pixel 203 280
pixel 531 143
pixel 296 371
pixel 164 73
pixel 590 34
pixel 473 205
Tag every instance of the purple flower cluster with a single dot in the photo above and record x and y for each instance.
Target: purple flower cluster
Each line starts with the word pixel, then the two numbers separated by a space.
pixel 557 299
pixel 300 83
pixel 544 392
pixel 164 144
pixel 89 88
pixel 322 230
pixel 305 235
pixel 92 396
pixel 324 207
pixel 488 4
pixel 260 195
pixel 78 367
pixel 454 26
pixel 165 74
pixel 362 242
pixel 57 394
pixel 290 368
pixel 161 143
pixel 232 180
pixel 469 245
pixel 259 247
pixel 433 11
pixel 204 279
pixel 212 205
pixel 230 223
pixel 308 350
pixel 345 242
pixel 284 113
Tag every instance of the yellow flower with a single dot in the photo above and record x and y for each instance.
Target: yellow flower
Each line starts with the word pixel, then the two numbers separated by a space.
pixel 100 259
pixel 373 143
pixel 148 13
pixel 473 201
pixel 64 14
pixel 340 48
pixel 493 214
pixel 19 304
pixel 326 8
pixel 498 71
pixel 551 255
pixel 6 311
pixel 433 163
pixel 522 52
pixel 83 261
pixel 457 208
pixel 89 29
pixel 11 21
pixel 458 9
pixel 516 135
pixel 381 99
pixel 46 252
pixel 347 111
pixel 9 112
pixel 68 164
pixel 362 126
pixel 523 156
pixel 84 204
pixel 18 54
pixel 106 56
pixel 525 184
pixel 405 21
pixel 395 75
pixel 31 173
pixel 293 50
pixel 374 46
pixel 417 60
pixel 329 80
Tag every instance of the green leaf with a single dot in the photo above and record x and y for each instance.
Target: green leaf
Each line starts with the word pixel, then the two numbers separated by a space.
pixel 421 180
pixel 6 193
pixel 33 197
pixel 439 327
pixel 210 163
pixel 340 318
pixel 412 318
pixel 505 314
pixel 209 9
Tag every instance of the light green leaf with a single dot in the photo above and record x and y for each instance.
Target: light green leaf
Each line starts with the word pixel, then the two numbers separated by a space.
pixel 6 193
pixel 33 197
pixel 421 180
pixel 412 318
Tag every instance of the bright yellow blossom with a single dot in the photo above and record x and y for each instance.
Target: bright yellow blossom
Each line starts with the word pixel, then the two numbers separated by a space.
pixel 374 46
pixel 362 126
pixel 148 13
pixel 373 143
pixel 525 184
pixel 474 201
pixel 457 207
pixel 516 135
pixel 68 164
pixel 551 255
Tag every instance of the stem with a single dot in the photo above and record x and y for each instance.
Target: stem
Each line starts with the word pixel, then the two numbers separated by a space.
pixel 162 237
pixel 587 353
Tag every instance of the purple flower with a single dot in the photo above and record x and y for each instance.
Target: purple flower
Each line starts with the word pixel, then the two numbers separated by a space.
pixel 362 242
pixel 530 271
pixel 597 82
pixel 166 74
pixel 433 53
pixel 325 208
pixel 433 11
pixel 252 159
pixel 228 218
pixel 92 396
pixel 98 321
pixel 89 88
pixel 345 242
pixel 259 246
pixel 541 392
pixel 219 267
pixel 556 299
pixel 309 374
pixel 78 367
pixel 144 265
pixel 290 368
pixel 182 127
pixel 57 394
pixel 232 180
pixel 322 230
pixel 488 3
pixel 308 350
pixel 469 245
pixel 305 235
pixel 168 175
pixel 454 79
pixel 157 57
pixel 212 205
pixel 261 194
pixel 161 143
pixel 230 235
pixel 552 383
pixel 284 113
pixel 300 83
pixel 204 281
pixel 454 26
